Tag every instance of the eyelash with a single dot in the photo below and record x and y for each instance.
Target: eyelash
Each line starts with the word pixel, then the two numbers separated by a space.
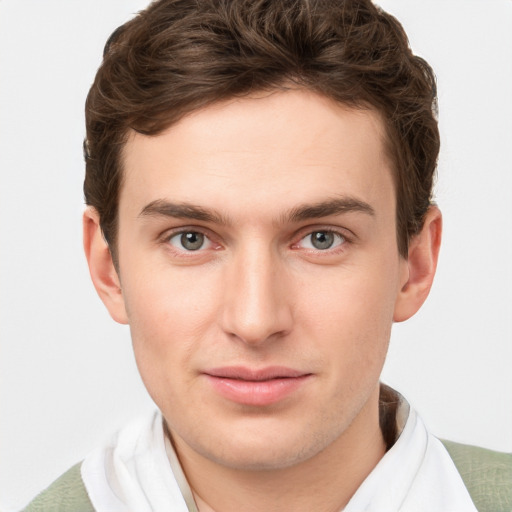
pixel 183 252
pixel 343 240
pixel 303 234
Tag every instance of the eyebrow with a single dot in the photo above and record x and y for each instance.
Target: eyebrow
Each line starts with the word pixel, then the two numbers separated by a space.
pixel 164 208
pixel 328 208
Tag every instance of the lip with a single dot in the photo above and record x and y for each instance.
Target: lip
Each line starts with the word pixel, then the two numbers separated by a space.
pixel 256 387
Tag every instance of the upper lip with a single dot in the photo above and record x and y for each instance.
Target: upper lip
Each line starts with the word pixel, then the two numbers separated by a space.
pixel 251 374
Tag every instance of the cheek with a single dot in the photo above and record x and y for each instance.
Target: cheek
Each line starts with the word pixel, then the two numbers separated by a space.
pixel 161 298
pixel 164 319
pixel 163 338
pixel 169 314
pixel 351 312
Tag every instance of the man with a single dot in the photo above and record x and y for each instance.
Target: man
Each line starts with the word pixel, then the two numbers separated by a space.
pixel 259 181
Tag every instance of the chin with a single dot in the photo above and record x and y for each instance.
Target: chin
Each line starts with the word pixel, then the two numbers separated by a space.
pixel 262 458
pixel 278 448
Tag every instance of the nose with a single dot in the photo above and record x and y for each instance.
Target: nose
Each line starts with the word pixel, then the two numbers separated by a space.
pixel 257 305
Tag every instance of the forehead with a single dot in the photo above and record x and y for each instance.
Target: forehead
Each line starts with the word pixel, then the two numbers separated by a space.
pixel 275 149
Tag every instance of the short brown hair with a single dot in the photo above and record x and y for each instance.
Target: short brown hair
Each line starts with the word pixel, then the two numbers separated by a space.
pixel 180 55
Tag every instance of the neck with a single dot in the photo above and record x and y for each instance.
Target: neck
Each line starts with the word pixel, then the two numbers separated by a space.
pixel 324 483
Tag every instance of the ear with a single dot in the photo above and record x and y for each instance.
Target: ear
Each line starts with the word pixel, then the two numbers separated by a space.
pixel 101 267
pixel 420 266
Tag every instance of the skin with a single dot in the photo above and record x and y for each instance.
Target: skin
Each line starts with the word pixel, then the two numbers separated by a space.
pixel 259 293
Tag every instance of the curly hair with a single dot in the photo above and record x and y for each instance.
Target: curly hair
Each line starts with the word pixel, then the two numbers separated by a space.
pixel 177 56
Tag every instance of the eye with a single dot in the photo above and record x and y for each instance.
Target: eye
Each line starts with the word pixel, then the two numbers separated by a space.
pixel 190 241
pixel 322 240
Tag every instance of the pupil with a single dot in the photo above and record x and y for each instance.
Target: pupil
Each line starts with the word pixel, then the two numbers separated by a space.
pixel 192 241
pixel 322 239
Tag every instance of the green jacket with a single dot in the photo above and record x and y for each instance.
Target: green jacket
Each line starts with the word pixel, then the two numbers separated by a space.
pixel 487 475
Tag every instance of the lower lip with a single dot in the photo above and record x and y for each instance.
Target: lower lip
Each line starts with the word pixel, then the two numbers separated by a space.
pixel 257 393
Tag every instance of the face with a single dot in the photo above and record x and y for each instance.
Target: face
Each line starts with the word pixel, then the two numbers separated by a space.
pixel 259 272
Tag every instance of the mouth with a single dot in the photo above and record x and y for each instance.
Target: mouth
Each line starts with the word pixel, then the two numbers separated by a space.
pixel 256 387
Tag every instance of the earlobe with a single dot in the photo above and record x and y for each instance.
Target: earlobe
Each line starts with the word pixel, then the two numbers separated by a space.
pixel 421 267
pixel 101 267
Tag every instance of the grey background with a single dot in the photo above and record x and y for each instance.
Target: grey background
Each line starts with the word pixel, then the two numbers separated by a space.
pixel 67 375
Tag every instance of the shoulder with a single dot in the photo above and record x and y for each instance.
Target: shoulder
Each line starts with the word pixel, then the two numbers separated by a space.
pixel 65 494
pixel 487 475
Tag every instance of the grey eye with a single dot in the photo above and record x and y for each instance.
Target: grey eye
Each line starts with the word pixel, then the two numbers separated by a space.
pixel 322 239
pixel 192 241
pixel 189 240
